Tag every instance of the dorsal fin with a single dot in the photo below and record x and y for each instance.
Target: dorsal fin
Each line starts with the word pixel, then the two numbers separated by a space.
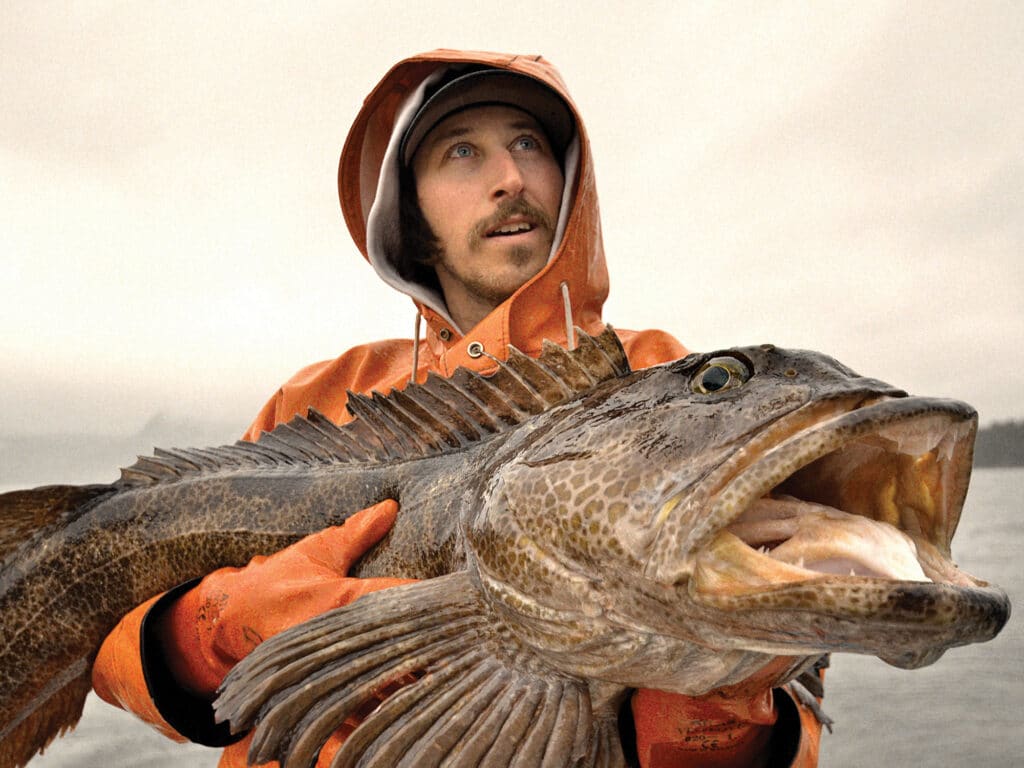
pixel 439 415
pixel 449 413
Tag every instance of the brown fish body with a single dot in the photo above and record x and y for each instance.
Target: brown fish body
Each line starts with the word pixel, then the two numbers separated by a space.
pixel 579 529
pixel 77 559
pixel 64 589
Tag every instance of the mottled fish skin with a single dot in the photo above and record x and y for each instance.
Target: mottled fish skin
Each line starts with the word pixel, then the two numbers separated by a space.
pixel 577 512
pixel 78 559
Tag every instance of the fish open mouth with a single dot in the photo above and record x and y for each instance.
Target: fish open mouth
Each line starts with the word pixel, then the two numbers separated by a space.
pixel 851 517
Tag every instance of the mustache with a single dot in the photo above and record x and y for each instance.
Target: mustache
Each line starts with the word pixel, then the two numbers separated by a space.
pixel 507 210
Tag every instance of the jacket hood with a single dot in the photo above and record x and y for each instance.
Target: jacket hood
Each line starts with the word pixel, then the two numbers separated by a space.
pixel 572 287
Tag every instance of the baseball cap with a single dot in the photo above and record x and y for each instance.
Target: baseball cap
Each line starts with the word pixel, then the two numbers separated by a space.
pixel 463 90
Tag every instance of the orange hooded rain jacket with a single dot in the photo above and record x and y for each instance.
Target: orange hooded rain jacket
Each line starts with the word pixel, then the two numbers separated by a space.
pixel 570 291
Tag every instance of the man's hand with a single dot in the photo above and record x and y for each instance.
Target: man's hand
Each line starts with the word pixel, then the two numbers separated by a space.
pixel 213 626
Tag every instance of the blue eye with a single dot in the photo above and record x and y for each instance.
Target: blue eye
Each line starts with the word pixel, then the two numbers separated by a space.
pixel 460 151
pixel 526 142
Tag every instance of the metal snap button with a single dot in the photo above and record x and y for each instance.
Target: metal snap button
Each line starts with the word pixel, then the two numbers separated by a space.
pixel 445 334
pixel 475 349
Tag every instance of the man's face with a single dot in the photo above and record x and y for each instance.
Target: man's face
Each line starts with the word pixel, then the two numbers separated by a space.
pixel 490 188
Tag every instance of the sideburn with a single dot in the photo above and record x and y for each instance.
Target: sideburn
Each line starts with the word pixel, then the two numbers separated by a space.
pixel 420 249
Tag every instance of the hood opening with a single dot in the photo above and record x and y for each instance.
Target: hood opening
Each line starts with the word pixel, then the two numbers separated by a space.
pixel 383 237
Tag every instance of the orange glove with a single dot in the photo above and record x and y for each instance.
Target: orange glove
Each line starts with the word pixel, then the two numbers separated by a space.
pixel 727 727
pixel 673 730
pixel 218 622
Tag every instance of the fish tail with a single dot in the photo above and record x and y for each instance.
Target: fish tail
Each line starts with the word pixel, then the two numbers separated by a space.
pixel 28 727
pixel 22 513
pixel 59 712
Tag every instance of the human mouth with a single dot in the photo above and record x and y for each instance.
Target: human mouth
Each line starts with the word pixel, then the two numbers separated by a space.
pixel 511 228
pixel 517 219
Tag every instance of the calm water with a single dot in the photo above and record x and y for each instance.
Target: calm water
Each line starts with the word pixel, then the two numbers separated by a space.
pixel 962 711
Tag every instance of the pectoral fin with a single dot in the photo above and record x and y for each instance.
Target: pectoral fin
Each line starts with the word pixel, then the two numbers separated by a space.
pixel 475 697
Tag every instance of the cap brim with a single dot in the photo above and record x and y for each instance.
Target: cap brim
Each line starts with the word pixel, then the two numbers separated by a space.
pixel 492 86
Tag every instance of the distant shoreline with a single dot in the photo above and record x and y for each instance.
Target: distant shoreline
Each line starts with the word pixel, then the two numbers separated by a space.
pixel 1000 445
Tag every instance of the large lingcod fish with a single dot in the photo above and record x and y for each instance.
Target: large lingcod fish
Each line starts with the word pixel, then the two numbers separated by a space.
pixel 578 529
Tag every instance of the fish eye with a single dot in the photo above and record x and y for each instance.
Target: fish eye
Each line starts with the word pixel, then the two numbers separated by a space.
pixel 719 374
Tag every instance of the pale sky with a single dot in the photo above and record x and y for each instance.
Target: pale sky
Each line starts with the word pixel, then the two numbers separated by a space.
pixel 846 177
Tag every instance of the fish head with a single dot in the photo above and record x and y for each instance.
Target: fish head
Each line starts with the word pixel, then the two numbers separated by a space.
pixel 755 502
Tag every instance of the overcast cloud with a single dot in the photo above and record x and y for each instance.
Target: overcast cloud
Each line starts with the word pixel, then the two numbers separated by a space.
pixel 842 177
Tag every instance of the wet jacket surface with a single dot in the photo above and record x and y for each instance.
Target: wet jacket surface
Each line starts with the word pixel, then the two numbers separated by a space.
pixel 569 291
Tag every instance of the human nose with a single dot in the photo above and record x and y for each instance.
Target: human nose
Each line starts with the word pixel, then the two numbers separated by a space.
pixel 508 177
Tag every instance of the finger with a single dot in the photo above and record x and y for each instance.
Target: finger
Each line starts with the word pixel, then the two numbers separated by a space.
pixel 359 533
